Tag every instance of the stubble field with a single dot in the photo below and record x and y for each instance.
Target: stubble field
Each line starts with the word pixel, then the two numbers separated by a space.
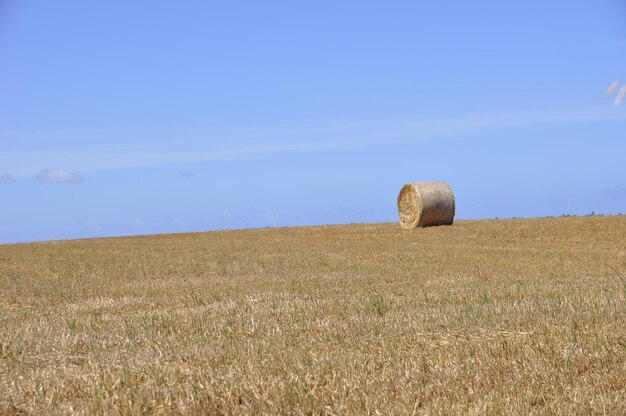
pixel 515 316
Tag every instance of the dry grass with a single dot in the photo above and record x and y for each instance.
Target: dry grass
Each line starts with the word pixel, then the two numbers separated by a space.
pixel 484 317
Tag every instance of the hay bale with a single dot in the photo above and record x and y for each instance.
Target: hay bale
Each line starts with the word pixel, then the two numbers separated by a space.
pixel 423 204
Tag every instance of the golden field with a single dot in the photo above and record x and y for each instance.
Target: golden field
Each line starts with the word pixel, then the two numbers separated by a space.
pixel 519 316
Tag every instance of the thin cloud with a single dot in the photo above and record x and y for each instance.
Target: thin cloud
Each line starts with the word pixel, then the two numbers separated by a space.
pixel 179 222
pixel 92 224
pixel 612 88
pixel 617 192
pixel 271 217
pixel 136 223
pixel 620 95
pixel 381 133
pixel 58 175
pixel 611 45
pixel 6 178
pixel 186 173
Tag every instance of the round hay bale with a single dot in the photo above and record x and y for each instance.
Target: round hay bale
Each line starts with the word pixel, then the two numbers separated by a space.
pixel 423 204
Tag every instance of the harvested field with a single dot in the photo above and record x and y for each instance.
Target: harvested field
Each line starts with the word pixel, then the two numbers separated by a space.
pixel 515 316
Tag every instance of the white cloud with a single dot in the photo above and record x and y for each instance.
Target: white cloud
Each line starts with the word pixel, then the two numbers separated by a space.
pixel 179 222
pixel 137 223
pixel 271 217
pixel 93 224
pixel 227 215
pixel 58 175
pixel 6 178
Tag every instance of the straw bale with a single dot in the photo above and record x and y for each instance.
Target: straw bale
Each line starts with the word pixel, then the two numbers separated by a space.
pixel 424 204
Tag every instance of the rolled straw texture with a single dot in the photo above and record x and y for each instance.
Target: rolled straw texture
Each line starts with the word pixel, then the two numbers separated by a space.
pixel 424 204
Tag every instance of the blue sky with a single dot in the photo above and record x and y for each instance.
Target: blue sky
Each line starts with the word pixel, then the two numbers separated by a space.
pixel 122 118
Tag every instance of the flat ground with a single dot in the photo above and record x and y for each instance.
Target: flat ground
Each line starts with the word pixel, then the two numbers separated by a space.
pixel 500 317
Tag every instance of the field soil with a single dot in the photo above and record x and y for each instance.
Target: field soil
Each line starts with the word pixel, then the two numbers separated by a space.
pixel 519 316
